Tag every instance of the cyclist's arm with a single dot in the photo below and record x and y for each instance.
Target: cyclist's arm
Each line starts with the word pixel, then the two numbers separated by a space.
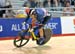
pixel 46 18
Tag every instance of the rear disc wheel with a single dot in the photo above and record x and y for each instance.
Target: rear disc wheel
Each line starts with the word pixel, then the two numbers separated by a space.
pixel 47 35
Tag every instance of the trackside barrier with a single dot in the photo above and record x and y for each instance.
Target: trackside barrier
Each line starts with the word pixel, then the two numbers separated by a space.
pixel 59 25
pixel 10 27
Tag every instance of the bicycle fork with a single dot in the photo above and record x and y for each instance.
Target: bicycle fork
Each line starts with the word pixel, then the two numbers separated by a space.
pixel 33 35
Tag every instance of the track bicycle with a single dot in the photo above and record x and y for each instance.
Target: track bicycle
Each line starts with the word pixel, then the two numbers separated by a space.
pixel 20 40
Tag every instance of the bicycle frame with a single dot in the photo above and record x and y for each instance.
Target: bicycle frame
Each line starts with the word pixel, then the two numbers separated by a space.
pixel 33 35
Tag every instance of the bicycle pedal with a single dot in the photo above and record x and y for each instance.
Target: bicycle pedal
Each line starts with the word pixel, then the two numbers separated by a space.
pixel 35 39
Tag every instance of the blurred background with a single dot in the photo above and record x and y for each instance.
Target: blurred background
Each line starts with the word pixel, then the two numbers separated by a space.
pixel 56 7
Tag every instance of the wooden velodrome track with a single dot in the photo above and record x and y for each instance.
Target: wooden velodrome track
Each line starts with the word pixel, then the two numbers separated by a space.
pixel 57 45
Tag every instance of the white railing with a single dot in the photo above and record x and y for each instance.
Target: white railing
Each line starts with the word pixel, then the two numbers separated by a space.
pixel 55 10
pixel 40 7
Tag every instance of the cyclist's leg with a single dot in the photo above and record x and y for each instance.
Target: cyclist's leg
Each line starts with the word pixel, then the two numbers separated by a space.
pixel 41 34
pixel 36 31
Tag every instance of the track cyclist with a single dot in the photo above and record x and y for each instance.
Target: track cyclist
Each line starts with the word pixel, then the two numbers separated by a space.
pixel 39 18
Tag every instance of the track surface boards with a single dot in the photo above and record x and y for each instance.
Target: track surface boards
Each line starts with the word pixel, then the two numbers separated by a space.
pixel 57 45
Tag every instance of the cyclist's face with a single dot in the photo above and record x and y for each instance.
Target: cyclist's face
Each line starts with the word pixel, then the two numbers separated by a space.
pixel 33 16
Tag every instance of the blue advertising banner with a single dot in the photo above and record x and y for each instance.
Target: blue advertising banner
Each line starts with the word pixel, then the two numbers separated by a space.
pixel 10 27
pixel 55 25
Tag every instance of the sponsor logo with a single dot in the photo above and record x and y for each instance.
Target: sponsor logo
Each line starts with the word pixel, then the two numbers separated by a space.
pixel 74 23
pixel 51 25
pixel 1 28
pixel 18 27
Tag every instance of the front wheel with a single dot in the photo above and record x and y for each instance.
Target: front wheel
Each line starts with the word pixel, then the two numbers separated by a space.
pixel 47 35
pixel 20 41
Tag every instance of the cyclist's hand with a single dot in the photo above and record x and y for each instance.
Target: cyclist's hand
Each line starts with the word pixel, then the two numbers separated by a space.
pixel 31 30
pixel 23 23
